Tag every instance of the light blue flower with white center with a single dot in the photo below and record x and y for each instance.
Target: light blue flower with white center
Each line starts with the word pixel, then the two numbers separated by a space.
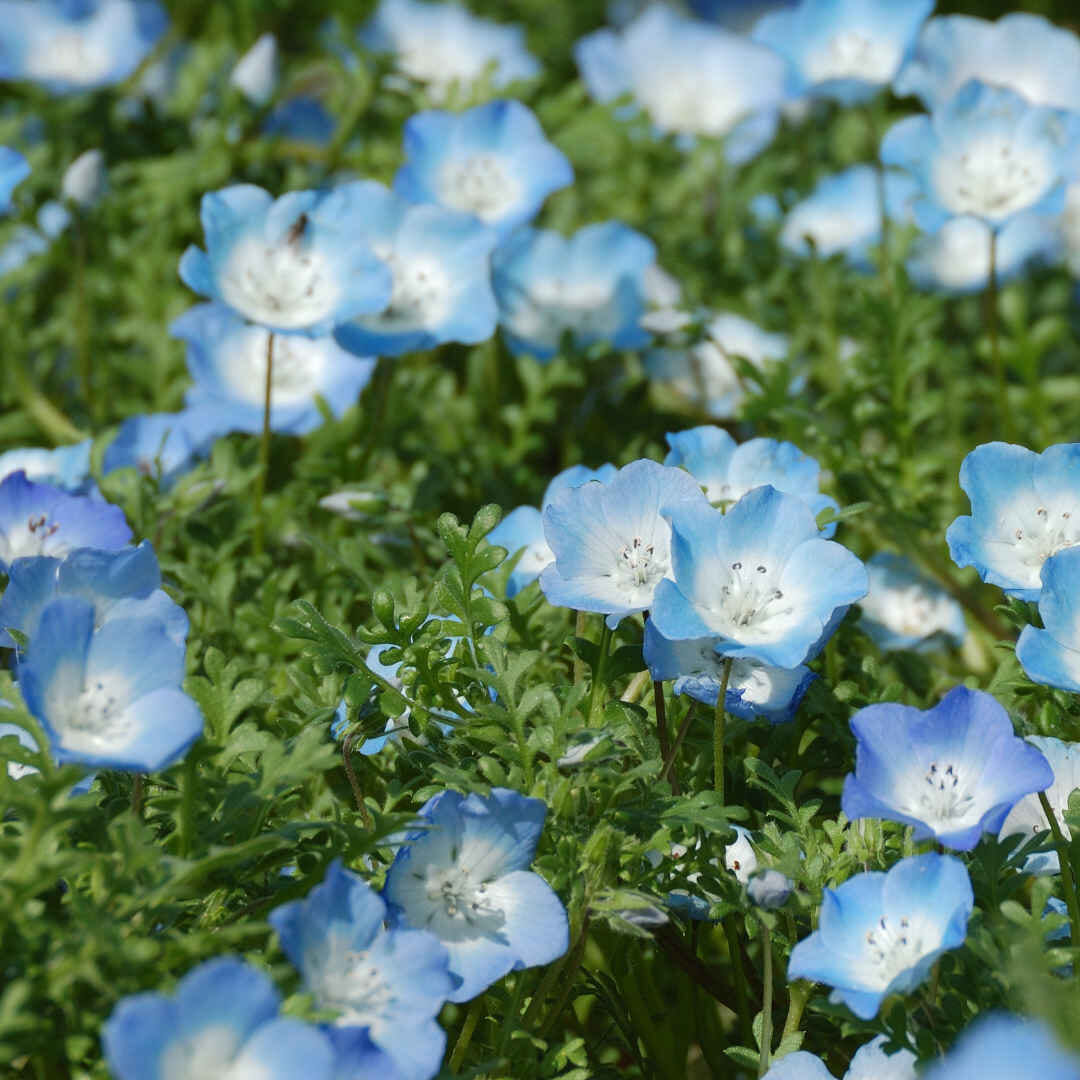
pixel 109 699
pixel 1025 507
pixel 759 579
pixel 72 45
pixel 465 879
pixel 39 519
pixel 297 264
pixel 1052 655
pixel 226 358
pixel 590 286
pixel 846 50
pixel 1002 1047
pixel 443 46
pixel 690 77
pixel 523 529
pixel 222 1022
pixel 612 541
pixel 954 772
pixel 119 585
pixel 492 161
pixel 14 169
pixel 906 610
pixel 986 153
pixel 165 446
pixel 66 467
pixel 1027 818
pixel 869 1063
pixel 880 934
pixel 1026 53
pixel 440 263
pixel 390 983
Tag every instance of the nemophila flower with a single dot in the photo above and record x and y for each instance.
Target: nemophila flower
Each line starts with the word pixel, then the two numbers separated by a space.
pixel 589 286
pixel 165 446
pixel 492 162
pixel 71 45
pixel 302 119
pixel 759 579
pixel 256 72
pixel 391 983
pixel 869 1063
pixel 953 772
pixel 769 889
pixel 846 50
pixel 442 46
pixel 223 1022
pixel 691 78
pixel 1002 1047
pixel 905 610
pixel 226 358
pixel 1025 507
pixel 612 541
pixel 464 878
pixel 1027 819
pixel 39 519
pixel 881 933
pixel 523 528
pixel 111 698
pixel 297 264
pixel 18 769
pixel 440 264
pixel 14 169
pixel 986 153
pixel 1052 655
pixel 66 467
pixel 1024 52
pixel 85 179
pixel 737 15
pixel 739 856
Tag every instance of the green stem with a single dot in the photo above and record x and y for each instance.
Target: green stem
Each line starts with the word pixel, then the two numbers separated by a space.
pixel 719 725
pixel 996 363
pixel 138 795
pixel 47 416
pixel 569 975
pixel 662 730
pixel 742 1003
pixel 766 1001
pixel 1068 878
pixel 82 320
pixel 472 1018
pixel 347 745
pixel 669 761
pixel 579 664
pixel 264 447
pixel 798 996
pixel 600 669
pixel 187 803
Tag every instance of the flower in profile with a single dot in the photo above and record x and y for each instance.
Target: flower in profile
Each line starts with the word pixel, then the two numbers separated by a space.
pixel 1002 1047
pixel 740 857
pixel 590 285
pixel 223 1021
pixel 464 878
pixel 256 72
pixel 389 983
pixel 492 161
pixel 881 933
pixel 1025 507
pixel 769 889
pixel 1052 655
pixel 846 50
pixel 869 1063
pixel 164 446
pixel 14 169
pixel 953 772
pixel 905 610
pixel 66 467
pixel 298 264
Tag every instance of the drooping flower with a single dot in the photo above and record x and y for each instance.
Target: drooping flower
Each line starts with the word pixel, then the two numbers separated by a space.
pixel 223 1022
pixel 492 161
pixel 769 889
pixel 464 878
pixel 869 1063
pixel 954 772
pixel 256 72
pixel 1025 507
pixel 881 933
pixel 164 446
pixel 905 610
pixel 739 856
pixel 1002 1047
pixel 85 179
pixel 66 467
pixel 391 984
pixel 1052 655
pixel 14 169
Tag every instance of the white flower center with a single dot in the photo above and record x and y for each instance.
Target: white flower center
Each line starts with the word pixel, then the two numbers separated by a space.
pixel 420 296
pixel 96 720
pixel 349 981
pixel 992 177
pixel 479 185
pixel 33 538
pixel 70 56
pixel 456 903
pixel 640 566
pixel 554 306
pixel 852 54
pixel 677 101
pixel 913 611
pixel 893 946
pixel 209 1052
pixel 944 798
pixel 1043 534
pixel 295 375
pixel 751 600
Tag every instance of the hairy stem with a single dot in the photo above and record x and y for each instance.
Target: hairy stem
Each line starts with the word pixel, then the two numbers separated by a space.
pixel 264 447
pixel 766 1000
pixel 719 726
pixel 1068 878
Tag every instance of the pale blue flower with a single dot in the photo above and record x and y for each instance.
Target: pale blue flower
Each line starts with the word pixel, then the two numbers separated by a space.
pixel 905 610
pixel 256 72
pixel 1003 1047
pixel 880 934
pixel 1052 655
pixel 492 162
pixel 769 889
pixel 737 15
pixel 464 878
pixel 14 169
pixel 869 1063
pixel 66 467
pixel 165 445
pixel 85 180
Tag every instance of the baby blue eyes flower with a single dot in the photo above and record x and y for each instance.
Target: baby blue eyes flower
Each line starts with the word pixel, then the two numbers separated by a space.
pixel 758 579
pixel 66 467
pixel 1003 1047
pixel 222 1022
pixel 464 878
pixel 256 72
pixel 164 445
pixel 1052 655
pixel 880 934
pixel 1025 507
pixel 14 169
pixel 904 610
pixel 298 264
pixel 390 983
pixel 954 771
pixel 492 162
pixel 612 541
pixel 869 1063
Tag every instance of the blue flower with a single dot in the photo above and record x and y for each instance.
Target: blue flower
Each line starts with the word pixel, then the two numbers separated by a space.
pixel 66 467
pixel 390 983
pixel 1002 1047
pixel 14 169
pixel 165 445
pixel 612 541
pixel 869 1063
pixel 904 610
pixel 85 180
pixel 846 50
pixel 759 579
pixel 590 285
pixel 769 889
pixel 880 934
pixel 464 878
pixel 440 264
pixel 492 162
pixel 38 519
pixel 227 359
pixel 690 77
pixel 256 72
pixel 111 698
pixel 1052 656
pixel 69 46
pixel 303 119
pixel 953 772
pixel 987 153
pixel 223 1021
pixel 298 264
pixel 737 15
pixel 1025 507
